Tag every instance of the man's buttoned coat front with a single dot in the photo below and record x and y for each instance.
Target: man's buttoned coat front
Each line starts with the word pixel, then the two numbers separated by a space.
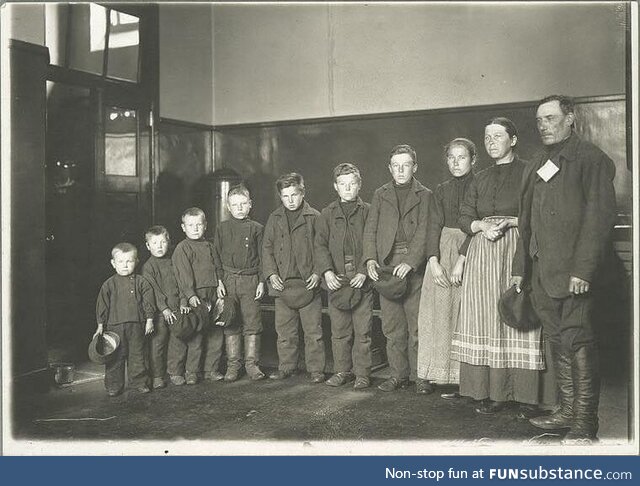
pixel 571 232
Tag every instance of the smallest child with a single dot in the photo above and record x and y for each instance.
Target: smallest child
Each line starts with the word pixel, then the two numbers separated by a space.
pixel 121 300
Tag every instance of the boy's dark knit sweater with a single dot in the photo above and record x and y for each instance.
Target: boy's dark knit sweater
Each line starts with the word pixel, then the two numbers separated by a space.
pixel 159 272
pixel 125 299
pixel 194 266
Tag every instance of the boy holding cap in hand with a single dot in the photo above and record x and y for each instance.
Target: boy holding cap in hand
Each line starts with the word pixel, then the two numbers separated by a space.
pixel 287 263
pixel 338 249
pixel 396 235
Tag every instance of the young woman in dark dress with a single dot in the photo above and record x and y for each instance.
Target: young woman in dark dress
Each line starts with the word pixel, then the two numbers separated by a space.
pixel 441 287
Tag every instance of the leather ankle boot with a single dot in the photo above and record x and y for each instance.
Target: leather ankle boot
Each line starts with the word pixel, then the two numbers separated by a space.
pixel 252 357
pixel 561 418
pixel 233 346
pixel 585 367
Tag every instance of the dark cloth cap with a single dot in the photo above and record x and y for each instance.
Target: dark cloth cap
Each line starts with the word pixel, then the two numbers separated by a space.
pixel 295 294
pixel 186 325
pixel 346 297
pixel 227 311
pixel 102 347
pixel 388 285
pixel 516 310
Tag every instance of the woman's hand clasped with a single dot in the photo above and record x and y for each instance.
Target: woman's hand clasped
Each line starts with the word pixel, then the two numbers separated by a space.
pixel 458 271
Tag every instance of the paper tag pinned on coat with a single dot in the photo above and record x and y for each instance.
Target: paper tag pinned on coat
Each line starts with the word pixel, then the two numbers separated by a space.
pixel 548 170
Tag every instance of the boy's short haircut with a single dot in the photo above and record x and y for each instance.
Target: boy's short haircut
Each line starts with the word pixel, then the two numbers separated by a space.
pixel 461 142
pixel 346 169
pixel 288 180
pixel 123 247
pixel 193 212
pixel 404 149
pixel 156 230
pixel 239 190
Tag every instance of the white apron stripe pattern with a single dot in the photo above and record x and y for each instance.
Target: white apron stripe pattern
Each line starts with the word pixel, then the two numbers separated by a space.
pixel 481 339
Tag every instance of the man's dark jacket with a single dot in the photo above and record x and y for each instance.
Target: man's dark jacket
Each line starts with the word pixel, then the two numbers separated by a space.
pixel 577 217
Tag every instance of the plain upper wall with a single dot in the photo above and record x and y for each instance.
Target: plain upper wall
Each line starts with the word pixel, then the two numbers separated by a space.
pixel 284 62
pixel 26 22
pixel 225 64
pixel 270 62
pixel 186 62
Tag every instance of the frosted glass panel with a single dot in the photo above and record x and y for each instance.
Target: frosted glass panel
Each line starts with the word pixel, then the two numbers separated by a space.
pixel 120 142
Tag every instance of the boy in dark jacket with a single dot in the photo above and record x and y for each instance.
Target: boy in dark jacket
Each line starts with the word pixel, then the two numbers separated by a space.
pixel 287 260
pixel 396 235
pixel 125 299
pixel 338 251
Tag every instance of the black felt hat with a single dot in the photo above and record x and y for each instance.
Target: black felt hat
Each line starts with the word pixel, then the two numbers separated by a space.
pixel 102 347
pixel 227 311
pixel 388 285
pixel 186 325
pixel 346 297
pixel 516 310
pixel 295 294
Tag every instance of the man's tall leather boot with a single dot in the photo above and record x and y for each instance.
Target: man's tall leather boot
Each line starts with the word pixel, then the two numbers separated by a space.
pixel 585 367
pixel 233 346
pixel 561 418
pixel 252 356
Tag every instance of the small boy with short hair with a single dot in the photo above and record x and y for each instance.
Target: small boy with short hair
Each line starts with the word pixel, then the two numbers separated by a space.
pixel 121 300
pixel 287 254
pixel 237 246
pixel 158 269
pixel 196 275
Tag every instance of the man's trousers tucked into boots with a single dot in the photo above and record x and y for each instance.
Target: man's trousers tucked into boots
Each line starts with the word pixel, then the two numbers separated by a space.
pixel 568 327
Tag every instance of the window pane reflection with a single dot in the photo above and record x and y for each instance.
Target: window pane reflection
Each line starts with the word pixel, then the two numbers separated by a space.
pixel 76 36
pixel 124 40
pixel 88 29
pixel 120 146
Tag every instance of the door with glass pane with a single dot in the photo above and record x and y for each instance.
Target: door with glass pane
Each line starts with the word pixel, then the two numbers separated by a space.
pixel 104 81
pixel 123 189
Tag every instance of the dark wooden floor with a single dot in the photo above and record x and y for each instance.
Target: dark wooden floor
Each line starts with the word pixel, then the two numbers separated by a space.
pixel 292 410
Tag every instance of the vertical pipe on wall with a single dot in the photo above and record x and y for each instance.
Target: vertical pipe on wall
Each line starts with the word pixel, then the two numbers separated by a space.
pixel 152 162
pixel 629 81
